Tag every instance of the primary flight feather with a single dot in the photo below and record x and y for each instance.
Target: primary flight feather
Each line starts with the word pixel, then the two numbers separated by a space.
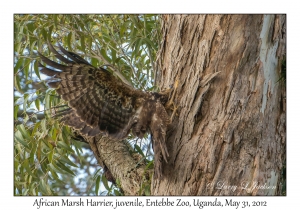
pixel 100 103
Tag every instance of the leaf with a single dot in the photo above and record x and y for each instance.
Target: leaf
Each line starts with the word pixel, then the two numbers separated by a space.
pixel 113 52
pixel 105 183
pixel 150 165
pixel 37 104
pixel 66 133
pixel 20 183
pixel 36 69
pixel 103 53
pixel 36 126
pixel 24 132
pixel 43 125
pixel 27 168
pixel 73 40
pixel 118 182
pixel 138 45
pixel 44 165
pixel 80 20
pixel 16 109
pixel 54 168
pixel 89 42
pixel 25 192
pixel 44 188
pixel 26 96
pixel 66 160
pixel 94 61
pixel 50 32
pixel 106 37
pixel 150 43
pixel 18 64
pixel 96 174
pixel 32 188
pixel 119 58
pixel 32 153
pixel 97 185
pixel 54 174
pixel 77 151
pixel 69 40
pixel 18 149
pixel 29 82
pixel 65 146
pixel 55 17
pixel 30 27
pixel 48 101
pixel 38 153
pixel 17 84
pixel 139 150
pixel 50 156
pixel 17 47
pixel 44 33
pixel 82 43
pixel 78 147
pixel 32 45
pixel 65 168
pixel 117 193
pixel 16 99
pixel 54 133
pixel 25 118
pixel 16 164
pixel 147 190
pixel 16 29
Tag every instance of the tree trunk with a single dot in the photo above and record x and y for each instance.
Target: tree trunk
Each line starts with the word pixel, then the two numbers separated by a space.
pixel 228 134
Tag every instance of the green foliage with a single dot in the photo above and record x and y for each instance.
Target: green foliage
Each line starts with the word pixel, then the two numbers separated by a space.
pixel 47 160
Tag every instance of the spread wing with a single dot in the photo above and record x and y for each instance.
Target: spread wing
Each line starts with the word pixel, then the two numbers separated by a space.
pixel 99 102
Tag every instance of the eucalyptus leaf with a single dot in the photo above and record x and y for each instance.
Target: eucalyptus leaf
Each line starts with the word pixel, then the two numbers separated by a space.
pixel 66 169
pixel 97 185
pixel 105 183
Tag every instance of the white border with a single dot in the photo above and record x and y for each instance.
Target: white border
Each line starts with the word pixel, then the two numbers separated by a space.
pixel 8 8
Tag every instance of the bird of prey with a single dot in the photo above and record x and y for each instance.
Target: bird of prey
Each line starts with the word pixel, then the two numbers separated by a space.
pixel 100 103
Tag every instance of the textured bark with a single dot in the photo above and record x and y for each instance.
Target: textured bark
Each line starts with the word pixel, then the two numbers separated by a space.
pixel 115 156
pixel 229 131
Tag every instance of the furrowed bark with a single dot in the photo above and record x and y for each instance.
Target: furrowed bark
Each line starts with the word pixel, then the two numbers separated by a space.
pixel 230 129
pixel 115 155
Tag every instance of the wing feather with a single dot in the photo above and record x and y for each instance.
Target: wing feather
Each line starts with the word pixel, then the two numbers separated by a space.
pixel 59 56
pixel 52 63
pixel 72 56
pixel 100 102
pixel 71 119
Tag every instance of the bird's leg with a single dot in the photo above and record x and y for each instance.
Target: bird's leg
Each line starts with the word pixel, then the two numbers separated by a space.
pixel 170 104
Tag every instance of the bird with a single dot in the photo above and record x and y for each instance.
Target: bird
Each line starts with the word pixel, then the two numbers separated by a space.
pixel 100 103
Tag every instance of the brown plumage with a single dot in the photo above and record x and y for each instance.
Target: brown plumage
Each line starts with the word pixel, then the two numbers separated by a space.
pixel 100 103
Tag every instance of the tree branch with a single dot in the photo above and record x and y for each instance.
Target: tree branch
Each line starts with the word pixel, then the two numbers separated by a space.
pixel 115 155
